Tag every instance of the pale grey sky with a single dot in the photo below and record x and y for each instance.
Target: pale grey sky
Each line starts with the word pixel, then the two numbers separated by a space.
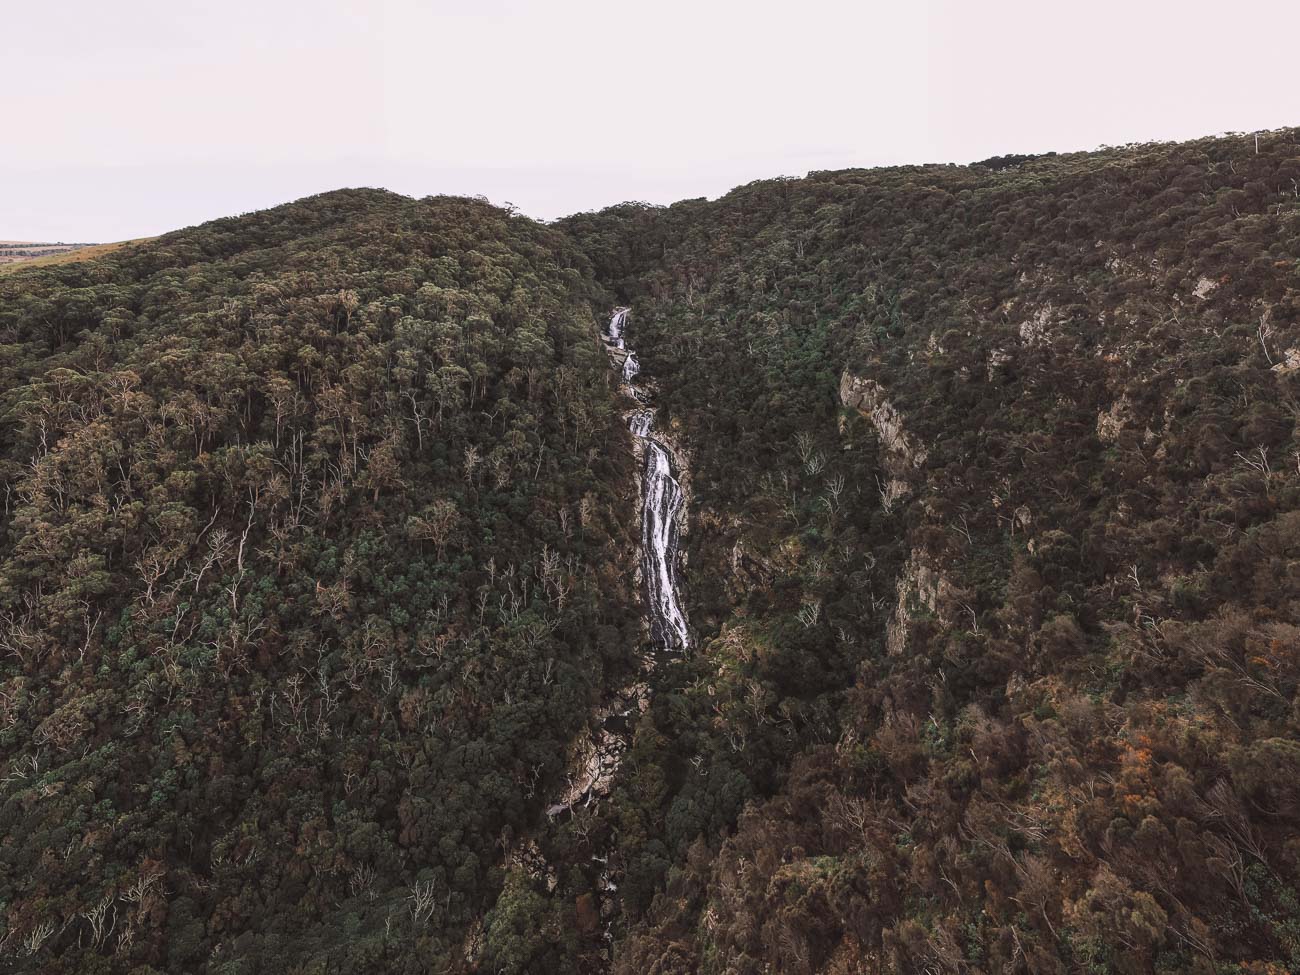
pixel 130 118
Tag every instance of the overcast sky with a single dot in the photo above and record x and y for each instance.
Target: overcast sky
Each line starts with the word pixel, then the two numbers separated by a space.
pixel 129 118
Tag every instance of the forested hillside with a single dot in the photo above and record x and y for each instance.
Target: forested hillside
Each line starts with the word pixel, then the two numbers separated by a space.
pixel 318 553
pixel 311 564
pixel 996 480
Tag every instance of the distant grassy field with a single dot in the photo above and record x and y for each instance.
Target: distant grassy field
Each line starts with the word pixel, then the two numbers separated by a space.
pixel 17 251
pixel 78 252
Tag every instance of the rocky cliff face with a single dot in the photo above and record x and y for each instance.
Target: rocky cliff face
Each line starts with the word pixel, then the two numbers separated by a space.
pixel 901 454
pixel 921 589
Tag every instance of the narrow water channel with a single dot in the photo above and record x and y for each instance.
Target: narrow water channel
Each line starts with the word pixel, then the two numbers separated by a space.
pixel 662 501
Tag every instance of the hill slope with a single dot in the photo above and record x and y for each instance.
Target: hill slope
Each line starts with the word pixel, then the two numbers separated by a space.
pixel 996 482
pixel 310 524
pixel 319 553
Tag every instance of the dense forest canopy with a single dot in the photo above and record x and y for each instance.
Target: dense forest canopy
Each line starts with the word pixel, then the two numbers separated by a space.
pixel 310 569
pixel 318 547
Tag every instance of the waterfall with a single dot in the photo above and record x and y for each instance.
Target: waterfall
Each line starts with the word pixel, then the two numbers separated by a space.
pixel 662 501
pixel 594 758
pixel 640 423
pixel 597 756
pixel 615 329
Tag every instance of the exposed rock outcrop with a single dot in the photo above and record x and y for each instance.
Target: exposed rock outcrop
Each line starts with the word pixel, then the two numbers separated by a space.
pixel 1111 422
pixel 900 452
pixel 997 359
pixel 922 590
pixel 1034 330
pixel 1290 362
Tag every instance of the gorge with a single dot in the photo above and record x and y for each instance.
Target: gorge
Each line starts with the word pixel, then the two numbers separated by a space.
pixel 595 759
pixel 902 577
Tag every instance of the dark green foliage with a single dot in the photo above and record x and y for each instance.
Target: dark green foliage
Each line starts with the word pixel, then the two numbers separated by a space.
pixel 1041 764
pixel 308 521
pixel 317 556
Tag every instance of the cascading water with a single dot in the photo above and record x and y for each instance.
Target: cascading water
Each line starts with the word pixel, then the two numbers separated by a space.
pixel 594 758
pixel 640 423
pixel 597 757
pixel 662 501
pixel 630 367
pixel 615 327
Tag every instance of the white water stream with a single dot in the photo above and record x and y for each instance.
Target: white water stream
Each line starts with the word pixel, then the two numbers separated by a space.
pixel 630 367
pixel 594 758
pixel 597 757
pixel 661 504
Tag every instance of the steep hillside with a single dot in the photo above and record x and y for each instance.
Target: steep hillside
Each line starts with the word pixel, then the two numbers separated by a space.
pixel 996 484
pixel 323 596
pixel 311 570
